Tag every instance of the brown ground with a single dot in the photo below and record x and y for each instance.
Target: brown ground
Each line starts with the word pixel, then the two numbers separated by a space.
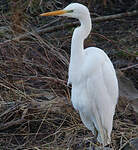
pixel 34 70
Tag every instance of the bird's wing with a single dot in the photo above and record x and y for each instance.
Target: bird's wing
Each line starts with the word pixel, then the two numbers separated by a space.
pixel 100 70
pixel 110 80
pixel 101 85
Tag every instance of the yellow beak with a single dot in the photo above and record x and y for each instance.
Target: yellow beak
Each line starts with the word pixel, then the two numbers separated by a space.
pixel 54 13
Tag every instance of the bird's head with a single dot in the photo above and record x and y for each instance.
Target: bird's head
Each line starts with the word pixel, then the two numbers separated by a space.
pixel 73 10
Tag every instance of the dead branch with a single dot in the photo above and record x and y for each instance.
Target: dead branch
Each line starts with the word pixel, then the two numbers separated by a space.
pixel 53 106
pixel 116 16
pixel 113 42
pixel 129 67
pixel 59 27
pixel 11 123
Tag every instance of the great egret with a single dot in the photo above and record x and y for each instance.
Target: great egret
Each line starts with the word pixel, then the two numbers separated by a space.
pixel 92 75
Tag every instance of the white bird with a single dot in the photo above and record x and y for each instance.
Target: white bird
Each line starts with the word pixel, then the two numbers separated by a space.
pixel 94 91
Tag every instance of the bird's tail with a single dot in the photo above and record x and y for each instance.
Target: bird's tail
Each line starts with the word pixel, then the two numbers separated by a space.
pixel 103 135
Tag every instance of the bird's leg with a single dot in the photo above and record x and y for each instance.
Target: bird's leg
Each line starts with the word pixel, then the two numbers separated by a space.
pixel 93 140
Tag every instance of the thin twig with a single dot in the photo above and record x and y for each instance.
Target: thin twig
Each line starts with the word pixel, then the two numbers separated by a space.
pixel 11 123
pixel 113 42
pixel 59 27
pixel 129 67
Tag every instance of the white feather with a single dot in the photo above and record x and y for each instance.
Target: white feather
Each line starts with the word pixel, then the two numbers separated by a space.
pixel 93 78
pixel 95 94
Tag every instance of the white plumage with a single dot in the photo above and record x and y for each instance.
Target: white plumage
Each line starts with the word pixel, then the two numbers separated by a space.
pixel 94 83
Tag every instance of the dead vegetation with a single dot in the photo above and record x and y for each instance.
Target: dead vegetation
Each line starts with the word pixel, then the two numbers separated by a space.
pixel 35 107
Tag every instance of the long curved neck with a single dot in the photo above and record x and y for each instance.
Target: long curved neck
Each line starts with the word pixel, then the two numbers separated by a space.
pixel 77 44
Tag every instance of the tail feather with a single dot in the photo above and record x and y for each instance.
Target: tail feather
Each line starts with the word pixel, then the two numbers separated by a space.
pixel 103 135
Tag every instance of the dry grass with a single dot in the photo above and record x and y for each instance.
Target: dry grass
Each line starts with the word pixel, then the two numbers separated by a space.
pixel 36 112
